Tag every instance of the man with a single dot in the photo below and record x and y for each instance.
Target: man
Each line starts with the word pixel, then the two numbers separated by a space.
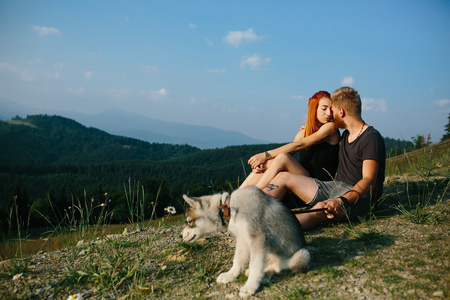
pixel 360 176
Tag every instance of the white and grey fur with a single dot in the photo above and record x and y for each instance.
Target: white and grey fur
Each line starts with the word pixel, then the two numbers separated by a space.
pixel 268 236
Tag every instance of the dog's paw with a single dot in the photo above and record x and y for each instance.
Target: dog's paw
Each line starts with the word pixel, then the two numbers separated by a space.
pixel 225 277
pixel 247 290
pixel 247 272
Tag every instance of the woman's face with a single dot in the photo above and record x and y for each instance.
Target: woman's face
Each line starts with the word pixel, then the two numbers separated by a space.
pixel 324 112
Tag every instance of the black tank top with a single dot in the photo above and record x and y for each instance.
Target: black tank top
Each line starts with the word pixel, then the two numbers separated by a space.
pixel 319 157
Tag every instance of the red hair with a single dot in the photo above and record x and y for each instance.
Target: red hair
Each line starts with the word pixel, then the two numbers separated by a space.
pixel 313 103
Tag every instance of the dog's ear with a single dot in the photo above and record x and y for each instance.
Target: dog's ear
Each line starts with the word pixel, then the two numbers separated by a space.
pixel 194 203
pixel 225 196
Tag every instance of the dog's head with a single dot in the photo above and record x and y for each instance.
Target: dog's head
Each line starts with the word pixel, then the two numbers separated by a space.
pixel 202 216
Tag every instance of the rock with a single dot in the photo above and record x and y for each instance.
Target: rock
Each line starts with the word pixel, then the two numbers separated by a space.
pixel 439 294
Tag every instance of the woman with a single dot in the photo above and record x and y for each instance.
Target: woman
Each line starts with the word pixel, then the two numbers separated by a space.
pixel 317 142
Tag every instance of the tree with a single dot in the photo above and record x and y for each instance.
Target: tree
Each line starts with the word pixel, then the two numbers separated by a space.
pixel 420 141
pixel 447 130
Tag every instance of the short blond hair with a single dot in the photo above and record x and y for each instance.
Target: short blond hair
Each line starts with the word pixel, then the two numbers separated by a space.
pixel 348 99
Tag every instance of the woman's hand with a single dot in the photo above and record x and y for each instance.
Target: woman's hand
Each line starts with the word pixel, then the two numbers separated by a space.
pixel 260 169
pixel 257 160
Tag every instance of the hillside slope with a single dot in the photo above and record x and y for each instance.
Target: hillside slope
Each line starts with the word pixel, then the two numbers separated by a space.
pixel 52 139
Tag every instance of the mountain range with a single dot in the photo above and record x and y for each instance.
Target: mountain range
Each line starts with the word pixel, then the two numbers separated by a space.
pixel 126 124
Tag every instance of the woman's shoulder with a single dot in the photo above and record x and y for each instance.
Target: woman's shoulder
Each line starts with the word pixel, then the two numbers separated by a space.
pixel 329 127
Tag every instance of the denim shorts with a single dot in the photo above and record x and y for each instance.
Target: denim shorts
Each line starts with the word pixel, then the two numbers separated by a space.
pixel 334 189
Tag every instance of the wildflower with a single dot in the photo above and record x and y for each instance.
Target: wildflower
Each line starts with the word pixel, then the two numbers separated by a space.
pixel 17 276
pixel 103 204
pixel 171 210
pixel 75 297
pixel 106 194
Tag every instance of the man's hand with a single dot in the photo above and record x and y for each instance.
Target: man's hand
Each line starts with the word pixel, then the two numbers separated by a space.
pixel 334 209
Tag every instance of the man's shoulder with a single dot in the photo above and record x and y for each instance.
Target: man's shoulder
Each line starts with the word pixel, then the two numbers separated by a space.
pixel 373 133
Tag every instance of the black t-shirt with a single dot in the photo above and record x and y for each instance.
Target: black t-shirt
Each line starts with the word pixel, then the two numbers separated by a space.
pixel 369 145
pixel 321 160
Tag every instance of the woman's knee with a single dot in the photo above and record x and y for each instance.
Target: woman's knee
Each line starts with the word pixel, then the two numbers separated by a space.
pixel 281 159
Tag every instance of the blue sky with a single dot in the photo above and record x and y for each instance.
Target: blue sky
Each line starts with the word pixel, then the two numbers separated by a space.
pixel 248 66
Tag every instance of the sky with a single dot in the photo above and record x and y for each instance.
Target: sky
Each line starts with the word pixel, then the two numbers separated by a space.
pixel 247 66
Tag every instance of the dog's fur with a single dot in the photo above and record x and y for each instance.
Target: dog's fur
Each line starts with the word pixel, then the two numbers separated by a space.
pixel 268 236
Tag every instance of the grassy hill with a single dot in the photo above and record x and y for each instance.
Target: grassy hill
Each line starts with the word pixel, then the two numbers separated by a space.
pixel 400 251
pixel 427 161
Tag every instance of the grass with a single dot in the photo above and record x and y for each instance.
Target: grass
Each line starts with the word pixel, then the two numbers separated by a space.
pixel 399 251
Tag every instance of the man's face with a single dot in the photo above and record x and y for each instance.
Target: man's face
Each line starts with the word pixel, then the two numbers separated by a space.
pixel 338 122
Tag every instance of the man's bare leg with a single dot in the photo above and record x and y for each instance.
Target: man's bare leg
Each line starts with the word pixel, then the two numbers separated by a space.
pixel 305 188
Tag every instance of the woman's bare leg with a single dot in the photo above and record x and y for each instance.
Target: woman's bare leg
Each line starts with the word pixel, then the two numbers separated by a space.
pixel 255 176
pixel 251 179
pixel 283 162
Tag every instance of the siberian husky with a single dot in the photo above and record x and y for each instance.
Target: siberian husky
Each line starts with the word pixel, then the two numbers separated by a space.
pixel 268 236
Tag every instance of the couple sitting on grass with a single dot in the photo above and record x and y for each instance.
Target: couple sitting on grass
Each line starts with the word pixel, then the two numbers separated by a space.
pixel 358 156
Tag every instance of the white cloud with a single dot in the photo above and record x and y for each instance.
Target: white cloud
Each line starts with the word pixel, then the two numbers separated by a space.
pixel 127 94
pixel 217 71
pixel 209 42
pixel 119 93
pixel 44 31
pixel 35 61
pixel 98 53
pixel 150 69
pixel 348 81
pixel 88 74
pixel 255 61
pixel 76 92
pixel 60 65
pixel 154 95
pixel 235 38
pixel 159 93
pixel 192 26
pixel 372 104
pixel 27 74
pixel 442 102
pixel 298 97
pixel 197 101
pixel 22 73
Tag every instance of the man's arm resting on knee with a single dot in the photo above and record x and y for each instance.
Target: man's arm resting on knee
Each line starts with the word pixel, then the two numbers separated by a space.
pixel 362 187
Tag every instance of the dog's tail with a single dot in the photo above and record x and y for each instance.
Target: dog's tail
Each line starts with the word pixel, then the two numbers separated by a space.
pixel 299 260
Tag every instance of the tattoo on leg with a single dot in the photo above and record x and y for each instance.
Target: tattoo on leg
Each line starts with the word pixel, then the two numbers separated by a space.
pixel 271 187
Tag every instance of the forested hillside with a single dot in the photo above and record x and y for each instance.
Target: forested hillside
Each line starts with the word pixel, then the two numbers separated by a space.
pixel 49 161
pixel 46 139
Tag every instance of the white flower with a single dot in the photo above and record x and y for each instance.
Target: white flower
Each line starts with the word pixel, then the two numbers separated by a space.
pixel 74 297
pixel 17 276
pixel 171 210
